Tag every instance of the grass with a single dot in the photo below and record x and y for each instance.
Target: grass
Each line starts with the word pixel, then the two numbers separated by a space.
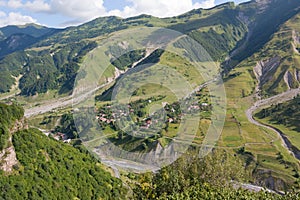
pixel 237 132
pixel 281 45
pixel 275 164
pixel 285 117
pixel 263 143
pixel 289 132
pixel 45 122
pixel 151 90
pixel 231 135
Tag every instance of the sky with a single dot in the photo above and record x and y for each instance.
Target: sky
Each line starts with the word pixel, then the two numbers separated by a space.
pixel 63 13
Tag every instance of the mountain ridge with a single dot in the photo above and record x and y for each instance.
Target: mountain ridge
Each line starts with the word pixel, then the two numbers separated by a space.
pixel 230 33
pixel 255 43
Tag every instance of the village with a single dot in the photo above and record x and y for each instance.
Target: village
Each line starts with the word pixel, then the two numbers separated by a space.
pixel 116 115
pixel 136 117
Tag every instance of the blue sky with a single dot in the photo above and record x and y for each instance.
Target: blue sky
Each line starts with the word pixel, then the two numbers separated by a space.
pixel 62 13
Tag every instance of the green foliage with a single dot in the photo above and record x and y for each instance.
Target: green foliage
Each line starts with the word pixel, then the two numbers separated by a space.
pixel 215 44
pixel 68 76
pixel 52 170
pixel 6 81
pixel 267 23
pixel 67 126
pixel 40 75
pixel 4 136
pixel 193 178
pixel 224 32
pixel 95 28
pixel 207 191
pixel 44 70
pixel 33 30
pixel 287 114
pixel 126 60
pixel 153 58
pixel 13 63
pixel 9 114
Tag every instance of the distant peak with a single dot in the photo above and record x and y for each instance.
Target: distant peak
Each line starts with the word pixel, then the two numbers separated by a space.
pixel 31 25
pixel 139 17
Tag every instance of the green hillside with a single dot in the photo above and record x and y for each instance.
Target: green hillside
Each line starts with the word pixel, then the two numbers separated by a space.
pixel 29 29
pixel 17 38
pixel 256 48
pixel 42 72
pixel 9 114
pixel 194 178
pixel 275 63
pixel 218 30
pixel 268 18
pixel 224 31
pixel 48 169
pixel 285 117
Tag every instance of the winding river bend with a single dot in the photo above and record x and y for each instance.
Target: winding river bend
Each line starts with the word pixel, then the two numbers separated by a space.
pixel 283 97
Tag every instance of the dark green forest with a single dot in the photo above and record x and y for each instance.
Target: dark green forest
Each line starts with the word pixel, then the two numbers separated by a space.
pixel 49 169
pixel 8 116
pixel 287 113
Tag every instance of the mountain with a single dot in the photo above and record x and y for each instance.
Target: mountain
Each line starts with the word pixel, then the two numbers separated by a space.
pixel 256 47
pixel 16 38
pixel 229 33
pixel 33 30
pixel 260 28
pixel 16 42
pixel 34 166
pixel 277 68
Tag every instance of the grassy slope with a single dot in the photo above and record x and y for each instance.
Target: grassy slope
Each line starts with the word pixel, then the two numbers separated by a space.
pixel 240 84
pixel 284 116
pixel 262 143
pixel 281 45
pixel 238 132
pixel 217 30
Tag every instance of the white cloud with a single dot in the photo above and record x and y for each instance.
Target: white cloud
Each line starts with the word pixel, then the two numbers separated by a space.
pixel 15 18
pixel 2 3
pixel 2 14
pixel 160 8
pixel 37 6
pixel 14 4
pixel 81 10
pixel 206 4
pixel 34 6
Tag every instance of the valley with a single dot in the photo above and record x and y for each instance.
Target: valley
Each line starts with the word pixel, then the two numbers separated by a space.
pixel 198 105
